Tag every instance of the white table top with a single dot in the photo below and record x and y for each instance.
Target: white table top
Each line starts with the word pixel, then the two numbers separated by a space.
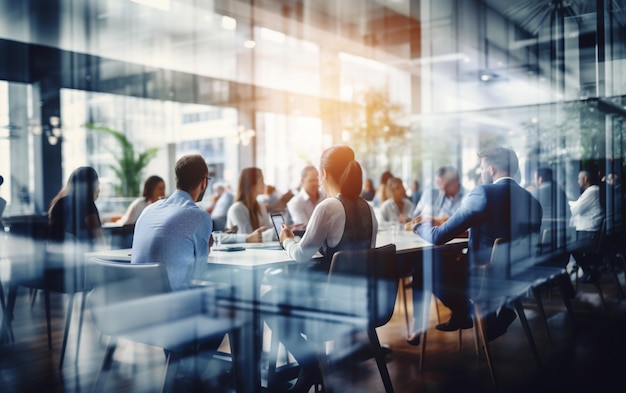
pixel 250 258
pixel 263 255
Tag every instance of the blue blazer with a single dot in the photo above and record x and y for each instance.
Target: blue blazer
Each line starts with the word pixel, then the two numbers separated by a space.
pixel 503 209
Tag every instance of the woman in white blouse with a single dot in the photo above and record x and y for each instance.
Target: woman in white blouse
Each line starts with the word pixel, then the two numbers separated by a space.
pixel 246 213
pixel 153 190
pixel 343 221
pixel 397 208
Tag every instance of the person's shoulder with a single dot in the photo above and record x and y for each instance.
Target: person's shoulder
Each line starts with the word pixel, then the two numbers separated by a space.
pixel 237 207
pixel 386 203
pixel 329 203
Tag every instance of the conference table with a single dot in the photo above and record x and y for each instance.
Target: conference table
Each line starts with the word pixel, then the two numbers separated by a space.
pixel 244 266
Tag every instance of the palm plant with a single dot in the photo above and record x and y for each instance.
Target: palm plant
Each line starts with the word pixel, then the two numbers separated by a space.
pixel 130 165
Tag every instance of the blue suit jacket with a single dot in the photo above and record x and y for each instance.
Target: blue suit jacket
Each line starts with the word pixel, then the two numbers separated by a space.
pixel 503 209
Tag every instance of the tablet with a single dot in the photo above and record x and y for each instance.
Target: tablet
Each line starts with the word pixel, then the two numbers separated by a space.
pixel 277 220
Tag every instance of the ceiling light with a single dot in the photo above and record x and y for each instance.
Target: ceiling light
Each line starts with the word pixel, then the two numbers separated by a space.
pixel 272 35
pixel 249 44
pixel 229 23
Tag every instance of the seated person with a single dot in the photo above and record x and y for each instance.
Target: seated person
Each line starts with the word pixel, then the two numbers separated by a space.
pixel 343 222
pixel 498 208
pixel 220 201
pixel 153 190
pixel 247 218
pixel 176 231
pixel 397 208
pixel 301 206
pixel 73 210
pixel 441 203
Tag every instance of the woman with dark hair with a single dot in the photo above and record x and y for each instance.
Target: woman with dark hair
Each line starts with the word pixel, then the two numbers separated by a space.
pixel 246 214
pixel 343 221
pixel 153 190
pixel 73 210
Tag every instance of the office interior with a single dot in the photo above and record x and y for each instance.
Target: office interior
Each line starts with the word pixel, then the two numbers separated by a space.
pixel 410 85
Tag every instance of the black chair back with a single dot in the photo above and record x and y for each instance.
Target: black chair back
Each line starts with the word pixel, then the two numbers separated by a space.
pixel 364 282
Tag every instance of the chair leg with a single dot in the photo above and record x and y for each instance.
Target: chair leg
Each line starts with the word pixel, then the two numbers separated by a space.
pixel 403 289
pixel 380 360
pixel 4 328
pixel 80 323
pixel 46 297
pixel 481 331
pixel 425 319
pixel 322 360
pixel 68 322
pixel 531 341
pixel 11 298
pixel 33 297
pixel 107 362
pixel 542 311
pixel 272 359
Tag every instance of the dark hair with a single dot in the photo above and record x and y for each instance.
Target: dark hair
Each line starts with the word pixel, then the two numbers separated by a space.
pixel 248 178
pixel 545 173
pixel 80 186
pixel 504 159
pixel 593 173
pixel 338 161
pixel 386 175
pixel 190 171
pixel 149 185
pixel 393 184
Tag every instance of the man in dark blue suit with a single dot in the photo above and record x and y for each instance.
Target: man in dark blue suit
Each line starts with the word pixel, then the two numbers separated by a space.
pixel 498 208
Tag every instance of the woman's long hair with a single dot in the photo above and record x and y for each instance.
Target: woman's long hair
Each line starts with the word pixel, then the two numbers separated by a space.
pixel 248 179
pixel 339 162
pixel 80 187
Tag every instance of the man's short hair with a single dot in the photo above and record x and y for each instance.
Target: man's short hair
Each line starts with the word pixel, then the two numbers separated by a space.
pixel 447 170
pixel 504 159
pixel 190 170
pixel 306 170
pixel 545 173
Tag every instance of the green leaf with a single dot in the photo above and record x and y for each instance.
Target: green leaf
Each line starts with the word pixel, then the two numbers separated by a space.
pixel 130 165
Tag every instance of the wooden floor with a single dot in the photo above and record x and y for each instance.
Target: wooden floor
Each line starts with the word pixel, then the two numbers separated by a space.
pixel 590 356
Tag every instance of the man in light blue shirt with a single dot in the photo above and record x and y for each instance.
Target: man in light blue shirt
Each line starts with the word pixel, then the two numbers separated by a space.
pixel 175 231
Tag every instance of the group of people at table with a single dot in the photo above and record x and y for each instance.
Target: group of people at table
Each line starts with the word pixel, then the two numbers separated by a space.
pixel 175 231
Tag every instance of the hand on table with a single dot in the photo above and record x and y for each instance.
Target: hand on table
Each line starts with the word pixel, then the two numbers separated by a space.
pixel 256 236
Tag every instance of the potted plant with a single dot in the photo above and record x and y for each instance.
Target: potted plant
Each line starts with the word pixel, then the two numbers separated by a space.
pixel 129 165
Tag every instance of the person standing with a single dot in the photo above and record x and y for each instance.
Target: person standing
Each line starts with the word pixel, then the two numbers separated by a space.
pixel 556 211
pixel 587 216
pixel 176 231
pixel 301 206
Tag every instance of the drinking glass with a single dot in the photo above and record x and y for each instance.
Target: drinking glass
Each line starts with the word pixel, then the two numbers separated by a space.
pixel 217 239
